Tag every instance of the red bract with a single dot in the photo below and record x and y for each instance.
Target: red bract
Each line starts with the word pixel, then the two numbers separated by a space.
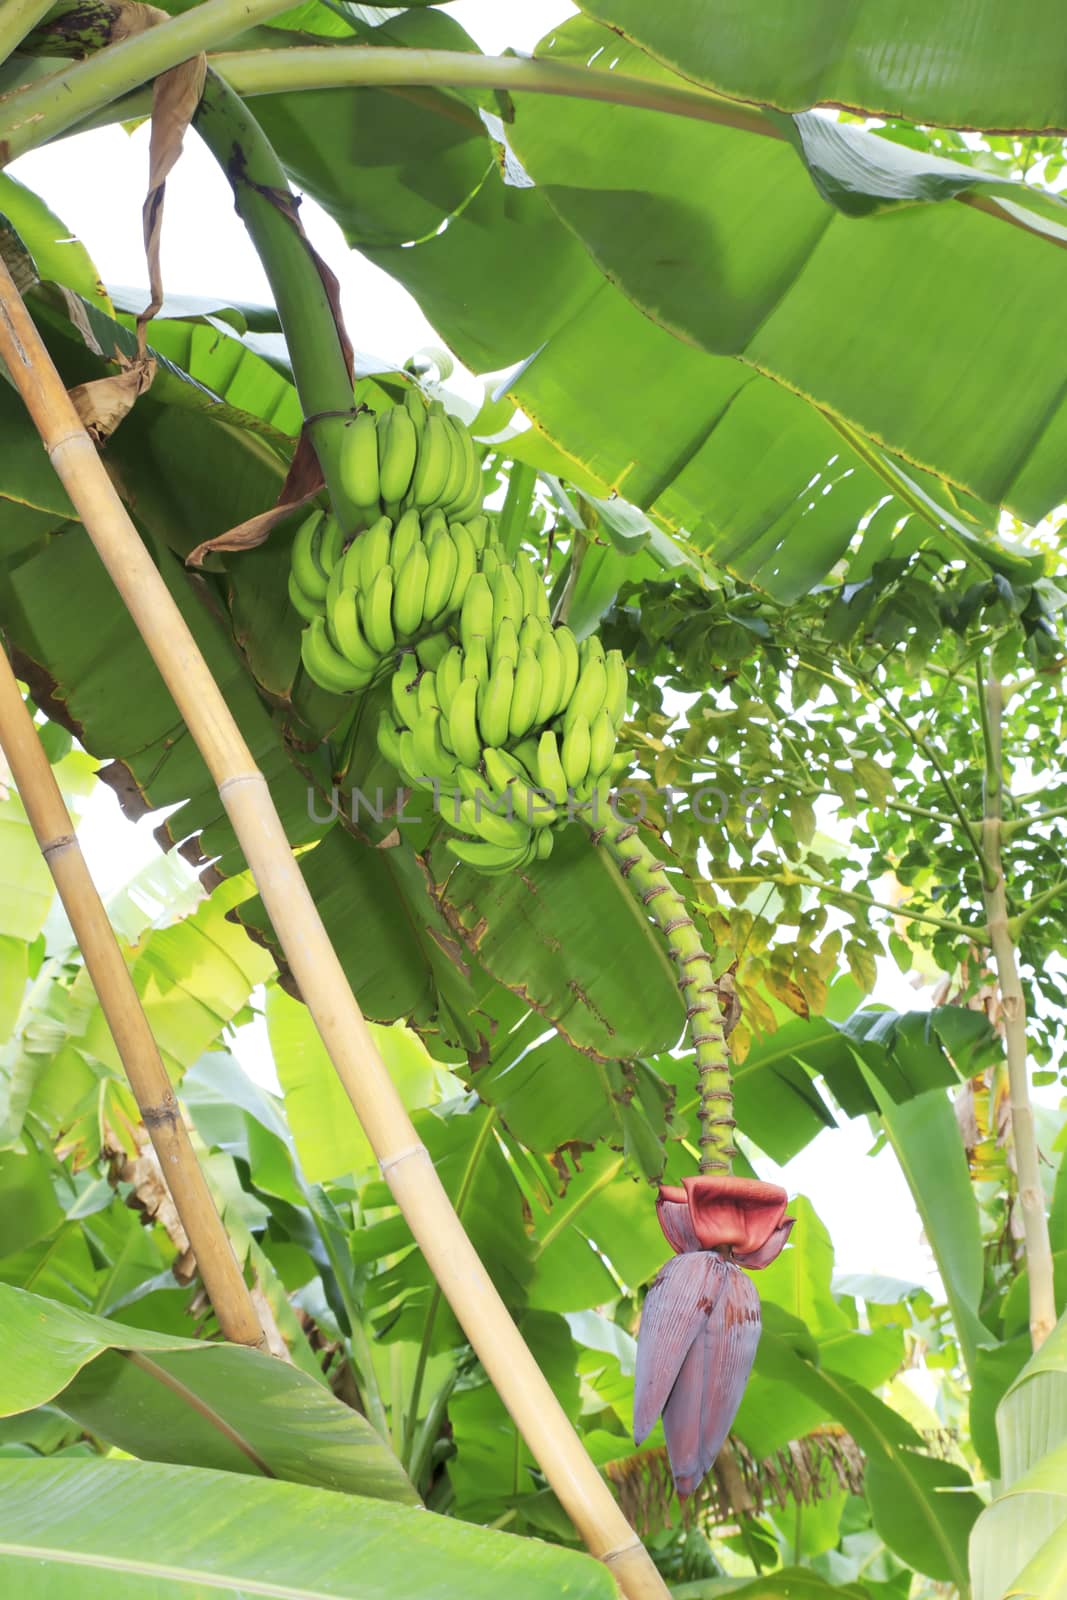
pixel 701 1320
pixel 742 1218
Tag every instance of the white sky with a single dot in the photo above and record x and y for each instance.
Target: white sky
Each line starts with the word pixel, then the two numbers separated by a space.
pixel 96 183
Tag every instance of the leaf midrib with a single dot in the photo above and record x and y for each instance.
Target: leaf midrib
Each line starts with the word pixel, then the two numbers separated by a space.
pixel 156 1569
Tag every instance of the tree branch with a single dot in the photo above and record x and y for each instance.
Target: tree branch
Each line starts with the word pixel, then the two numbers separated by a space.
pixel 979 933
pixel 1031 1198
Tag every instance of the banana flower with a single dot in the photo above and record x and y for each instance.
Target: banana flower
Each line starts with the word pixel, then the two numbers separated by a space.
pixel 701 1320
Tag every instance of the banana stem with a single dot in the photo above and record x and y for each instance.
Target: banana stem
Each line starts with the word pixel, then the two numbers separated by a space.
pixel 18 19
pixel 305 292
pixel 39 111
pixel 648 878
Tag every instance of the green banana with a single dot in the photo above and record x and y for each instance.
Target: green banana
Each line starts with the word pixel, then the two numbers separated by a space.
pixel 601 743
pixel 621 761
pixel 494 701
pixel 369 554
pixel 618 692
pixel 589 696
pixel 544 842
pixel 531 633
pixel 463 723
pixel 471 785
pixel 476 616
pixel 507 778
pixel 492 561
pixel 569 664
pixel 357 467
pixel 449 677
pixel 426 694
pixel 469 491
pixel 376 612
pixel 534 598
pixel 334 586
pixel 415 406
pixel 591 649
pixel 477 817
pixel 331 543
pixel 409 761
pixel 525 753
pixel 402 688
pixel 490 859
pixel 526 695
pixel 325 666
pixel 406 535
pixel 409 593
pixel 309 609
pixel 505 641
pixel 441 574
pixel 389 740
pixel 551 776
pixel 434 462
pixel 476 660
pixel 550 660
pixel 478 528
pixel 343 627
pixel 507 598
pixel 457 471
pixel 398 444
pixel 574 754
pixel 434 761
pixel 304 560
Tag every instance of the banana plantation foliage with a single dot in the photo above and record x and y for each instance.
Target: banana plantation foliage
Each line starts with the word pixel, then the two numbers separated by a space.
pixel 638 728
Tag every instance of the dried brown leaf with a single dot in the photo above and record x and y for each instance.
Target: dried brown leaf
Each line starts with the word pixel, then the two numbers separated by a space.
pixel 102 404
pixel 175 97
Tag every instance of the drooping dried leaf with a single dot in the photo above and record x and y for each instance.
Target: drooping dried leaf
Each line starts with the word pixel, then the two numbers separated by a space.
pixel 175 97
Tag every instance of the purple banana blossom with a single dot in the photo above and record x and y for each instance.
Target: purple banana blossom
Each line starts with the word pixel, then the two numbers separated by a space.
pixel 701 1321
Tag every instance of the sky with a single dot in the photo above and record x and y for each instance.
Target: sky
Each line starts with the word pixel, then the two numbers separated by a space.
pixel 95 183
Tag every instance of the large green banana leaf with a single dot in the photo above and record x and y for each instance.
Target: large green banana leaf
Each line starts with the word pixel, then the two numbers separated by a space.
pixel 188 1401
pixel 965 64
pixel 925 1137
pixel 870 319
pixel 116 1530
pixel 1019 1544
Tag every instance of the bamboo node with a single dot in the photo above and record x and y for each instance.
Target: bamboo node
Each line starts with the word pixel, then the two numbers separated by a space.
pixel 621 1550
pixel 255 776
pixel 62 841
pixel 389 1162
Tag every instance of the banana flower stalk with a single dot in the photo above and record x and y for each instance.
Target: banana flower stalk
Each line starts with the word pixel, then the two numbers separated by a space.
pixel 701 1320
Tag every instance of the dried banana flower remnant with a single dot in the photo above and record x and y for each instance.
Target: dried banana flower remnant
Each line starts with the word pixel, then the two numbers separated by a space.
pixel 701 1320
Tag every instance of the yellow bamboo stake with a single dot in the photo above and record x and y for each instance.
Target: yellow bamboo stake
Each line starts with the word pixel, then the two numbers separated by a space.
pixel 404 1161
pixel 160 1112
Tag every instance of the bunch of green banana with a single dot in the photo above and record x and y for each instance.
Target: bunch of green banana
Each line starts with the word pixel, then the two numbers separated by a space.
pixel 514 723
pixel 410 455
pixel 397 582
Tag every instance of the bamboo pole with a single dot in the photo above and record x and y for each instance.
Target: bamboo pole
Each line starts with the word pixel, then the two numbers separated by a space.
pixel 1036 1245
pixel 160 1112
pixel 405 1163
